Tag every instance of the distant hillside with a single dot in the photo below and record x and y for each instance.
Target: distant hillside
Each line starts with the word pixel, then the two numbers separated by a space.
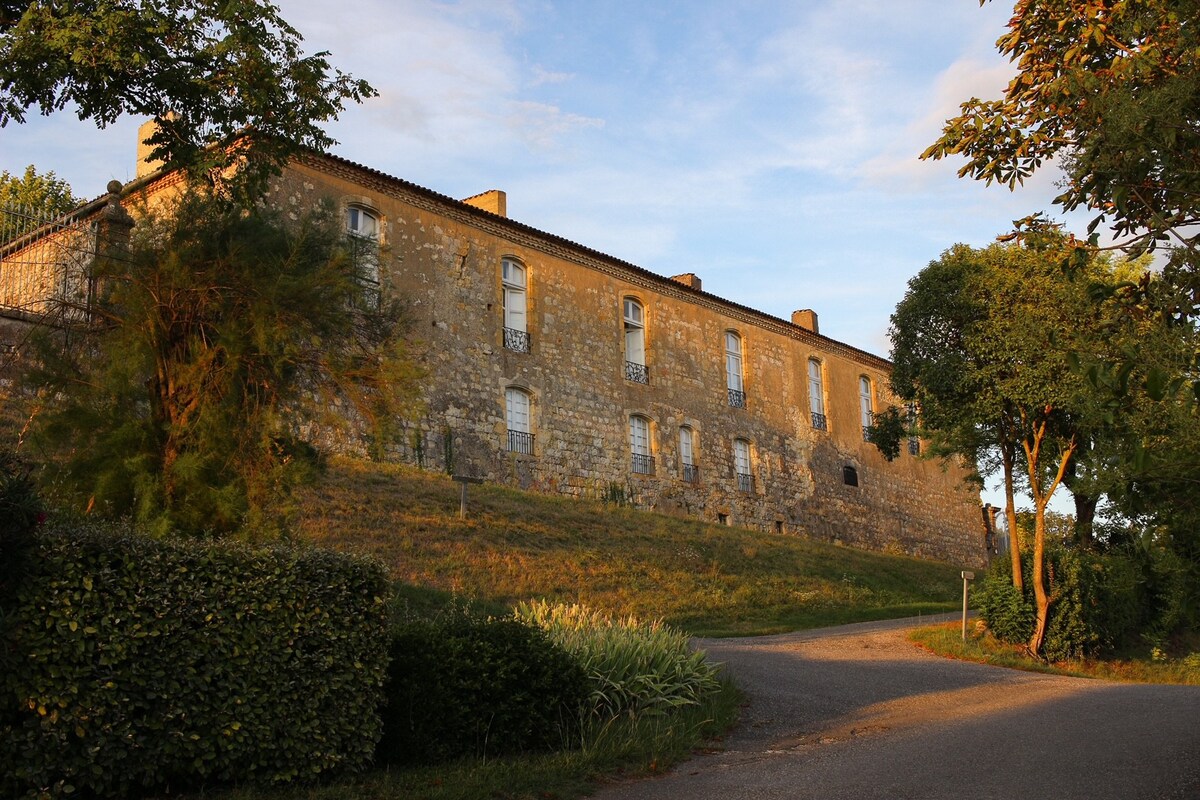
pixel 705 578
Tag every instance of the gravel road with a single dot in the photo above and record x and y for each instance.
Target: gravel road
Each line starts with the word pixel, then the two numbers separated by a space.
pixel 858 712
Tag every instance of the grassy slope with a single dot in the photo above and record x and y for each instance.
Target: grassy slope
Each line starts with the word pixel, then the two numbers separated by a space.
pixel 704 578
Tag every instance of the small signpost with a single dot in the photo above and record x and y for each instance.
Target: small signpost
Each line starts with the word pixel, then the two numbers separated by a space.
pixel 463 480
pixel 967 578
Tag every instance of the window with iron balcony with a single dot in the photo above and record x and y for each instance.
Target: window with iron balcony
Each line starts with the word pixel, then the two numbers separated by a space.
pixel 816 395
pixel 634 316
pixel 641 459
pixel 687 454
pixel 520 437
pixel 514 281
pixel 867 405
pixel 733 370
pixel 741 465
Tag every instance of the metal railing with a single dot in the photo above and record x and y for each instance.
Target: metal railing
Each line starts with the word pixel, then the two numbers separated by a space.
pixel 819 422
pixel 520 442
pixel 745 482
pixel 46 263
pixel 737 398
pixel 691 473
pixel 914 447
pixel 642 465
pixel 515 340
pixel 638 373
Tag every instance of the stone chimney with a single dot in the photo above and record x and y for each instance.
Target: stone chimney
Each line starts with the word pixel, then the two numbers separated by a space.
pixel 492 200
pixel 805 318
pixel 688 279
pixel 146 165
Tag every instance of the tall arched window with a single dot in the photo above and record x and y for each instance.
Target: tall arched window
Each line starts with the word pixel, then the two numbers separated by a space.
pixel 687 455
pixel 733 370
pixel 910 419
pixel 635 342
pixel 866 403
pixel 515 282
pixel 516 411
pixel 640 451
pixel 362 225
pixel 741 465
pixel 816 395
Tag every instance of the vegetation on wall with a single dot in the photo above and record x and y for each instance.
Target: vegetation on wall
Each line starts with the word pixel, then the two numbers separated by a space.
pixel 220 334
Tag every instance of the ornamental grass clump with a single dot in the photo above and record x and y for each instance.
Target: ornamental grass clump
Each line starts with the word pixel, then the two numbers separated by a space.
pixel 634 667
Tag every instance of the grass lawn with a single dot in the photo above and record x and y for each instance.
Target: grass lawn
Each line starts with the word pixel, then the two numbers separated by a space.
pixel 706 579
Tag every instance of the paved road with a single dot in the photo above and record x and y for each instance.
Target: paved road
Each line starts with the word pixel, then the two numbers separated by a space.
pixel 858 713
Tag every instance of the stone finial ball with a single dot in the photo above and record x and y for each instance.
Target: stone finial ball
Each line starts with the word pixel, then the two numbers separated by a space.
pixel 114 187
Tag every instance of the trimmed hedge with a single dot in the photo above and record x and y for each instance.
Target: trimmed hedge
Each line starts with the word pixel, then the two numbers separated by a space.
pixel 459 686
pixel 129 664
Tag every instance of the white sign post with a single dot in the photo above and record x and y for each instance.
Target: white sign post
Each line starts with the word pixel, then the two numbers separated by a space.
pixel 967 578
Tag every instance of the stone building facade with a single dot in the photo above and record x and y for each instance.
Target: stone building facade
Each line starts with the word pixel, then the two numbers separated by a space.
pixel 559 369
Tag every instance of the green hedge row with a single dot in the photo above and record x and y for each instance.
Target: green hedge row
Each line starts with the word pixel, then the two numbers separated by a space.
pixel 465 686
pixel 127 662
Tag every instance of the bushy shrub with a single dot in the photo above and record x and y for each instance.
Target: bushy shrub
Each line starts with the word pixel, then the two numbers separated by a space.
pixel 1097 601
pixel 460 685
pixel 20 512
pixel 633 667
pixel 1007 612
pixel 146 664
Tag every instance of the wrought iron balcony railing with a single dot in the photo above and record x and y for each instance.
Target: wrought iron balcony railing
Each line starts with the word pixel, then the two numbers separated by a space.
pixel 515 340
pixel 520 442
pixel 914 447
pixel 745 482
pixel 819 422
pixel 691 473
pixel 638 373
pixel 643 465
pixel 737 398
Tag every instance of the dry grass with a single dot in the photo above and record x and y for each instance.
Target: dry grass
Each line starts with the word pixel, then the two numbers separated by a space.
pixel 981 647
pixel 704 578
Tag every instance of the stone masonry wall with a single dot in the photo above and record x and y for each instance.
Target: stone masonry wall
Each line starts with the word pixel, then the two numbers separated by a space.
pixel 444 257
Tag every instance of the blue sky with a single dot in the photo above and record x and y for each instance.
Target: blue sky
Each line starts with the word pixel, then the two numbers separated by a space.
pixel 769 147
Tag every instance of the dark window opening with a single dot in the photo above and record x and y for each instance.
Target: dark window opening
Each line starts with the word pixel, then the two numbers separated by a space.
pixel 850 476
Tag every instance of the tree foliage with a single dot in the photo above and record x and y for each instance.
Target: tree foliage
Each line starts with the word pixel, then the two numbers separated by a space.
pixel 981 343
pixel 1111 88
pixel 205 70
pixel 45 192
pixel 223 342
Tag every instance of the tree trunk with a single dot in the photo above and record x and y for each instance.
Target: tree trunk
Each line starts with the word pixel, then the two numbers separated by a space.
pixel 1040 598
pixel 1085 518
pixel 1010 513
pixel 1042 491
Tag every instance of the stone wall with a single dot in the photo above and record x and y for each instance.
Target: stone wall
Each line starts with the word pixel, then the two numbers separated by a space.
pixel 444 257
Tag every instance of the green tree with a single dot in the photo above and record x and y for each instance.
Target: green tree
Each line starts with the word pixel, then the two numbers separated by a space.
pixel 1111 90
pixel 205 70
pixel 981 343
pixel 29 199
pixel 222 342
pixel 45 192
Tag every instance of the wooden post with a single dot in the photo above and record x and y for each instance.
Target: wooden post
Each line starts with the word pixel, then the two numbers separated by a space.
pixel 463 480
